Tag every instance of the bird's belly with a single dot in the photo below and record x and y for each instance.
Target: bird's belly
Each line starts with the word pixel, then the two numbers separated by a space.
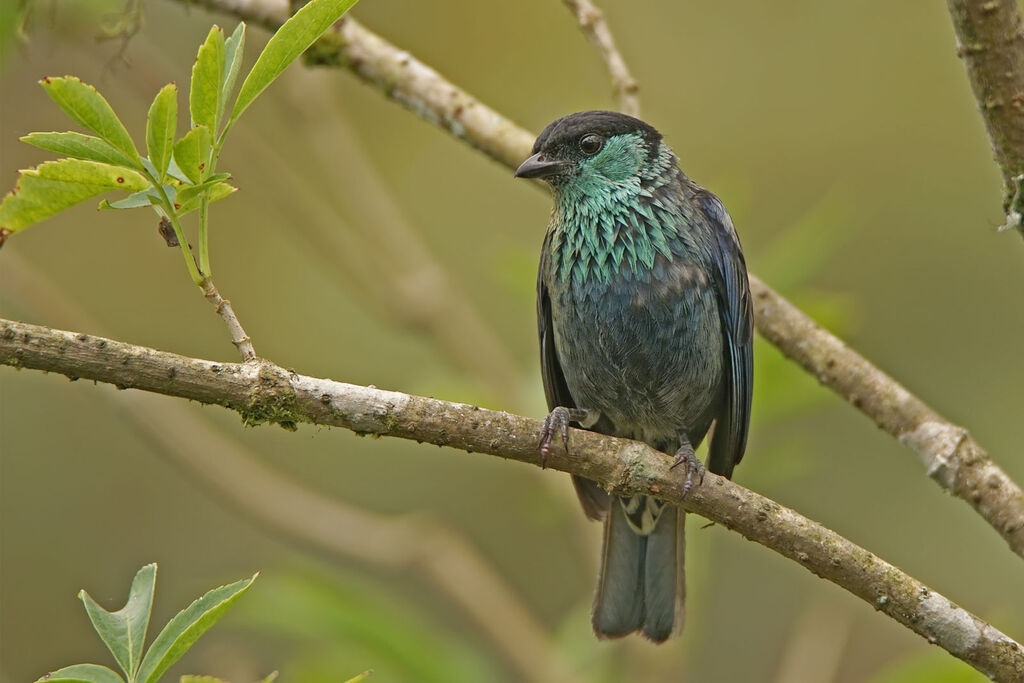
pixel 652 368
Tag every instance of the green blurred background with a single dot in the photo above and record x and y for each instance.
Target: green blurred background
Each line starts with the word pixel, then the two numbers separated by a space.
pixel 369 247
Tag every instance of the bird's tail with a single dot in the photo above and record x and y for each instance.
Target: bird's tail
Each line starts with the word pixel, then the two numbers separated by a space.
pixel 642 585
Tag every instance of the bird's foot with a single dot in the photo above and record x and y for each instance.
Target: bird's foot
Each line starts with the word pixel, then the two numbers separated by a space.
pixel 558 421
pixel 686 456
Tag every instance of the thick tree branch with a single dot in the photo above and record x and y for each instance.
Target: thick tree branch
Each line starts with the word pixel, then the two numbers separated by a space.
pixel 949 453
pixel 263 392
pixel 990 40
pixel 593 25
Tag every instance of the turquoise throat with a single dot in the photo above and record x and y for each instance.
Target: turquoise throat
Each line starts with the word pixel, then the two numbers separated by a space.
pixel 610 215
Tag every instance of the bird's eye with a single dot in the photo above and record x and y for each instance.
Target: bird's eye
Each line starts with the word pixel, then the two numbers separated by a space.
pixel 591 144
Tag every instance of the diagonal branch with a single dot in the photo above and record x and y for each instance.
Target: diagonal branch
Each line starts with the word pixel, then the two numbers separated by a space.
pixel 990 40
pixel 951 456
pixel 593 25
pixel 263 392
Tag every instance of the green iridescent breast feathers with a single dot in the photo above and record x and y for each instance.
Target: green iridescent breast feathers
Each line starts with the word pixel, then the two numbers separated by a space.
pixel 610 217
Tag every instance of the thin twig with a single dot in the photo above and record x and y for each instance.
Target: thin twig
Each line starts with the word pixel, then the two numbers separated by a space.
pixel 990 40
pixel 263 392
pixel 223 307
pixel 966 470
pixel 593 25
pixel 201 277
pixel 419 544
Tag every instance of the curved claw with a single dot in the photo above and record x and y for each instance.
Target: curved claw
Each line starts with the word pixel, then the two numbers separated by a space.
pixel 557 420
pixel 686 456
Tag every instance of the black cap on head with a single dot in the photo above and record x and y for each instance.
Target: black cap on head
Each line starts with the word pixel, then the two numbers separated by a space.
pixel 605 123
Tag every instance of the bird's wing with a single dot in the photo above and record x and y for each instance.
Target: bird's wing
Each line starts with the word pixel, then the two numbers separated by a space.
pixel 592 497
pixel 735 308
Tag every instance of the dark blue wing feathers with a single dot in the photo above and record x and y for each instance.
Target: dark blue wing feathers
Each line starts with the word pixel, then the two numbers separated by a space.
pixel 555 388
pixel 735 307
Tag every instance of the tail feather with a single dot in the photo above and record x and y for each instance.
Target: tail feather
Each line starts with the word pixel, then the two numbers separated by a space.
pixel 619 602
pixel 665 576
pixel 642 581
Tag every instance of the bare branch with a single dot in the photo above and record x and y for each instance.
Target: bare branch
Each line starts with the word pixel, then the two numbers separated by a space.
pixel 593 25
pixel 263 392
pixel 990 40
pixel 950 455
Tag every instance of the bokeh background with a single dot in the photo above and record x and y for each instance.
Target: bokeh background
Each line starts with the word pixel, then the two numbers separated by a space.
pixel 367 246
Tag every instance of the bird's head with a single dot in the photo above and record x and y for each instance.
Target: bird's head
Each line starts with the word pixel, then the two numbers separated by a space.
pixel 592 150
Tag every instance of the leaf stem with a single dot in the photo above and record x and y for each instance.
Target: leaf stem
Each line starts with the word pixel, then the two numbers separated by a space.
pixel 200 274
pixel 204 250
pixel 186 250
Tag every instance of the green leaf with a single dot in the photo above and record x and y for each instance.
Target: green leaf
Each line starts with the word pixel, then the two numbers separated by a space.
pixel 57 185
pixel 124 631
pixel 87 107
pixel 290 41
pixel 187 198
pixel 355 679
pixel 201 679
pixel 234 50
pixel 192 152
pixel 204 99
pixel 147 197
pixel 186 627
pixel 218 177
pixel 79 146
pixel 161 124
pixel 219 192
pixel 82 673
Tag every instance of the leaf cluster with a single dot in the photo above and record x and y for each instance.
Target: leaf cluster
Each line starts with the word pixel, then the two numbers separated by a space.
pixel 124 632
pixel 177 175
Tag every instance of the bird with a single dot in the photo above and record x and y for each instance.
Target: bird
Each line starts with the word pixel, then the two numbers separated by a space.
pixel 645 323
